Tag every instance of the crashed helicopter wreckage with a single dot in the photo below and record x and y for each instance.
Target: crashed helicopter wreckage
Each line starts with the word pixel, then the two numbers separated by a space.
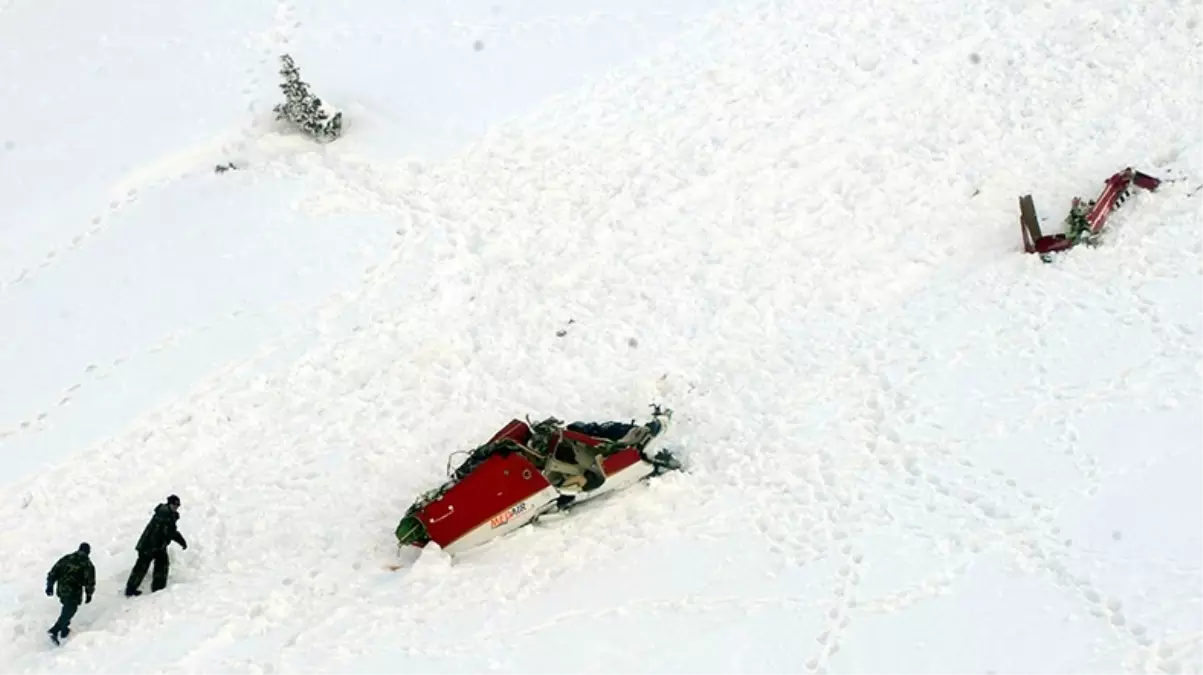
pixel 527 470
pixel 1084 223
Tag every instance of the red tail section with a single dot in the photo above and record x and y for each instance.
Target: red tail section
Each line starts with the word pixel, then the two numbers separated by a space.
pixel 1094 213
pixel 1114 193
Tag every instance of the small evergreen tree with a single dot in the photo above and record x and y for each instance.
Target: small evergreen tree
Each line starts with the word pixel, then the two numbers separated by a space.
pixel 302 108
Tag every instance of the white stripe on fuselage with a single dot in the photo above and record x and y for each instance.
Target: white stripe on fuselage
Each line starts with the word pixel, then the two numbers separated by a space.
pixel 506 521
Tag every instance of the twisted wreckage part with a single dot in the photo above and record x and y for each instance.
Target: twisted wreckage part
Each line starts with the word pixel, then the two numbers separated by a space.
pixel 526 470
pixel 1085 219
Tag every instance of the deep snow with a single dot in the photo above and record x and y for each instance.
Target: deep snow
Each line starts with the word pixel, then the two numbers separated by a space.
pixel 911 447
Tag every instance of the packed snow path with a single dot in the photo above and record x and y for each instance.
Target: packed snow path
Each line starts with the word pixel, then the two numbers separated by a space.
pixel 911 447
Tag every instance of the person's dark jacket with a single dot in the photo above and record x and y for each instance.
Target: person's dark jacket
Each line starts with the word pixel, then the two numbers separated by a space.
pixel 73 575
pixel 160 531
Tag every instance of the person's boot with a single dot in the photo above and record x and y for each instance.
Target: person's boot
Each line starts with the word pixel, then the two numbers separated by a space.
pixel 64 632
pixel 54 635
pixel 131 592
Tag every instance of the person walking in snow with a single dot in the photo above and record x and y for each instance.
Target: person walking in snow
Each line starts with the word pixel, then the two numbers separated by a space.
pixel 152 547
pixel 75 578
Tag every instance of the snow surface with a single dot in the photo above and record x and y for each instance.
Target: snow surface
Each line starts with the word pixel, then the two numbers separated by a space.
pixel 910 447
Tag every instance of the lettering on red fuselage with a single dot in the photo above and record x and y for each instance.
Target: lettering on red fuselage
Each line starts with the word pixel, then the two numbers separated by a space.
pixel 506 516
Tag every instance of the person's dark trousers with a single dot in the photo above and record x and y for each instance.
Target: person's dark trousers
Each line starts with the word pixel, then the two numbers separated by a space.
pixel 158 578
pixel 61 626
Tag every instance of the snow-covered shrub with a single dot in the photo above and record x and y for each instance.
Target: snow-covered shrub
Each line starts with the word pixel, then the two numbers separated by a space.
pixel 303 109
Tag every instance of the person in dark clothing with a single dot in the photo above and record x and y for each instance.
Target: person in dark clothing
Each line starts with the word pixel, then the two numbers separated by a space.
pixel 152 547
pixel 75 577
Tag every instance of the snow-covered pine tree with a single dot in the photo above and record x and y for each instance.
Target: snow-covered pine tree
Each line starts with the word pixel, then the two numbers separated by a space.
pixel 302 108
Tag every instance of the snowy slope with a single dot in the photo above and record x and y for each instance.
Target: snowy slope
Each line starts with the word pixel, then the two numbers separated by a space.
pixel 911 447
pixel 129 270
